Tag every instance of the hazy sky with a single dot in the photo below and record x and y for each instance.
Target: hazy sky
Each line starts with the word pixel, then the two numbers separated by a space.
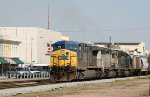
pixel 83 20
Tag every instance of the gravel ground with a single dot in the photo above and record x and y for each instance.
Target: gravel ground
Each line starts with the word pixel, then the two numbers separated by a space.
pixel 15 91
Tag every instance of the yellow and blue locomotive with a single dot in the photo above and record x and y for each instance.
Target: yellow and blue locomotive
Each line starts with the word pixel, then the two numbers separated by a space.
pixel 74 61
pixel 63 60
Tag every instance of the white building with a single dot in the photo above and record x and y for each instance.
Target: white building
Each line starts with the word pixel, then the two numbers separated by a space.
pixel 63 37
pixel 135 48
pixel 32 44
pixel 140 47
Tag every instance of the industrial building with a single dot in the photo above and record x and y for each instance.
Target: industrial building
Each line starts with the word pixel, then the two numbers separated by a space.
pixel 30 45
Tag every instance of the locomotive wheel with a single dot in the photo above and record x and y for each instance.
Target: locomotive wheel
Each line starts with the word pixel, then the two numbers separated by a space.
pixel 105 74
pixel 98 75
pixel 53 79
pixel 80 75
pixel 139 73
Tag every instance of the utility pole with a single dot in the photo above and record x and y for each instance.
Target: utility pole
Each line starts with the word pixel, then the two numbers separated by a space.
pixel 110 40
pixel 148 72
pixel 110 49
pixel 48 19
pixel 149 85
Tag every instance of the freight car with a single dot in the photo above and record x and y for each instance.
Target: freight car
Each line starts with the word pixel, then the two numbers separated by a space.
pixel 76 61
pixel 140 65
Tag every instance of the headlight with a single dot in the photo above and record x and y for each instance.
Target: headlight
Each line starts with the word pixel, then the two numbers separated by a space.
pixel 55 64
pixel 59 57
pixel 62 52
pixel 67 64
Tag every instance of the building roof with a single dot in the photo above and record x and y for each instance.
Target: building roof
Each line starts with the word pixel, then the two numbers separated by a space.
pixel 9 41
pixel 127 43
pixel 101 43
pixel 119 43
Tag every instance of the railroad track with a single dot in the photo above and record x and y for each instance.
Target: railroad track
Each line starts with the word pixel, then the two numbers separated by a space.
pixel 23 83
pixel 6 84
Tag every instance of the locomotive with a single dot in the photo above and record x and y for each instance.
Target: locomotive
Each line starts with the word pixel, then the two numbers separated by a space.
pixel 72 60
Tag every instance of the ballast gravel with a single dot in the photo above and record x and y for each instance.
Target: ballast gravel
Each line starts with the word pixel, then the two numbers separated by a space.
pixel 14 91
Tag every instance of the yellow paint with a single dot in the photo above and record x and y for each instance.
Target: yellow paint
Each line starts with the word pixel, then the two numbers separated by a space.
pixel 72 58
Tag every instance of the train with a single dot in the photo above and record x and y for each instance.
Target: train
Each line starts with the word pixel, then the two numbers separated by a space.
pixel 71 60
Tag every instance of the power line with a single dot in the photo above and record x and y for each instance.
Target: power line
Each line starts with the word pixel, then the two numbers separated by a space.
pixel 106 30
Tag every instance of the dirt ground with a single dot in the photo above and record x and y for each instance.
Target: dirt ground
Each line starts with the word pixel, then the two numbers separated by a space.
pixel 128 88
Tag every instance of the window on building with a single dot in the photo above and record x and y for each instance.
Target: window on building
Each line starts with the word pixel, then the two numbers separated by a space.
pixel 48 45
pixel 10 48
pixel 1 49
pixel 13 49
pixel 7 50
pixel 16 49
pixel 4 49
